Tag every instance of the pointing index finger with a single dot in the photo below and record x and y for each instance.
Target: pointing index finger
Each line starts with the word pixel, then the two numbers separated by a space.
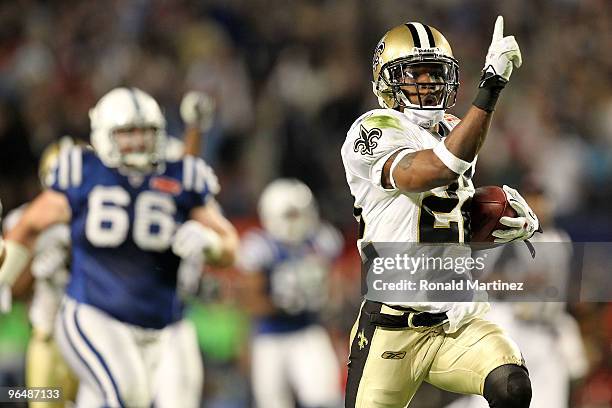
pixel 498 31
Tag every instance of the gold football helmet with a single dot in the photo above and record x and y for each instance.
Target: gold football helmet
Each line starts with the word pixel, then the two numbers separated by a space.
pixel 414 68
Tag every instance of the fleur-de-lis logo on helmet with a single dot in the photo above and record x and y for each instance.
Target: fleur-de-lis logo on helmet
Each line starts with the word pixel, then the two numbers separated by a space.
pixel 367 141
pixel 377 55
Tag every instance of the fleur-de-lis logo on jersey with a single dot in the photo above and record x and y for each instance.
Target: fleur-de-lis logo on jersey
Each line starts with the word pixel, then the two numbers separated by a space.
pixel 362 341
pixel 377 60
pixel 367 140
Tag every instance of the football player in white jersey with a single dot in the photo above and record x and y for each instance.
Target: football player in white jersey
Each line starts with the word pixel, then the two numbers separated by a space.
pixel 409 167
pixel 134 214
pixel 286 269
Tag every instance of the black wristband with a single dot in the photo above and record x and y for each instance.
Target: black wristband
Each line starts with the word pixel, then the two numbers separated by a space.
pixel 488 91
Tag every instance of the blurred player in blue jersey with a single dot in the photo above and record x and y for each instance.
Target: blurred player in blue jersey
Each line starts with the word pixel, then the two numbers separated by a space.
pixel 286 267
pixel 133 216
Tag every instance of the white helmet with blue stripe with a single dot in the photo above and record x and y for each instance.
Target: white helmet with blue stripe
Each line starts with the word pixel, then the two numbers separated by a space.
pixel 128 130
pixel 288 211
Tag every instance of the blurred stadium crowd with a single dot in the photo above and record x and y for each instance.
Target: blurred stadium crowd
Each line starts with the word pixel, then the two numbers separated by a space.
pixel 289 78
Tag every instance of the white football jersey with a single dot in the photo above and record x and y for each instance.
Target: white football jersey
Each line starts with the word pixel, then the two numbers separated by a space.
pixel 390 215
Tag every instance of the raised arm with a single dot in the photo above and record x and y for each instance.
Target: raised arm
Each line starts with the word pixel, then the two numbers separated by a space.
pixel 198 114
pixel 424 169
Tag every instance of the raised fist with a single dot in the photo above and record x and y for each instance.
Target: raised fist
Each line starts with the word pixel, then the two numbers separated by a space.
pixel 198 110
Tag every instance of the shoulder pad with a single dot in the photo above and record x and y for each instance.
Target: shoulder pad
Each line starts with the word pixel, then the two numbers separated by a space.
pixel 197 175
pixel 451 120
pixel 69 168
pixel 383 119
pixel 257 251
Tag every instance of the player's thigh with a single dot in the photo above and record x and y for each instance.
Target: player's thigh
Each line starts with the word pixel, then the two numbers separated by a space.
pixel 103 354
pixel 268 371
pixel 88 396
pixel 180 374
pixel 469 355
pixel 387 366
pixel 313 368
pixel 45 367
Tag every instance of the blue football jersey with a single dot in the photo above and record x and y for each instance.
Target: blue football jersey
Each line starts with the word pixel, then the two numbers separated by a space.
pixel 121 230
pixel 296 276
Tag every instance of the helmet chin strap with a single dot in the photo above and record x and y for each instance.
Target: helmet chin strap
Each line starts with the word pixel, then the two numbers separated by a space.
pixel 425 118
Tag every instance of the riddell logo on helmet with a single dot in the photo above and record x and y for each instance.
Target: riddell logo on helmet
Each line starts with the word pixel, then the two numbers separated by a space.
pixel 166 185
pixel 426 50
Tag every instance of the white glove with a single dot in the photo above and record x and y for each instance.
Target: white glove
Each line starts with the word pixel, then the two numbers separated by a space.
pixel 523 226
pixel 198 110
pixel 6 299
pixel 503 53
pixel 49 261
pixel 194 239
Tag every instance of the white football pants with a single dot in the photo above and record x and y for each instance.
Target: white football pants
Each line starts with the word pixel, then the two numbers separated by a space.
pixel 121 365
pixel 301 363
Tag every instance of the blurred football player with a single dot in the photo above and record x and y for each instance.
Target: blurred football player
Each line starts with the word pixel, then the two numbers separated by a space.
pixel 409 167
pixel 120 325
pixel 286 267
pixel 541 326
pixel 45 366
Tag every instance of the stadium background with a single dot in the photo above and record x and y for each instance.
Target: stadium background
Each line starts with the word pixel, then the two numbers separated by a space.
pixel 289 79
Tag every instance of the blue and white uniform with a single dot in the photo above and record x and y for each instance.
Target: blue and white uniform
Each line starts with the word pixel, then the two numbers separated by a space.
pixel 292 352
pixel 120 326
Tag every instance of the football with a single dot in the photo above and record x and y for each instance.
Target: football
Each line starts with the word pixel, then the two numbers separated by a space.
pixel 489 204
